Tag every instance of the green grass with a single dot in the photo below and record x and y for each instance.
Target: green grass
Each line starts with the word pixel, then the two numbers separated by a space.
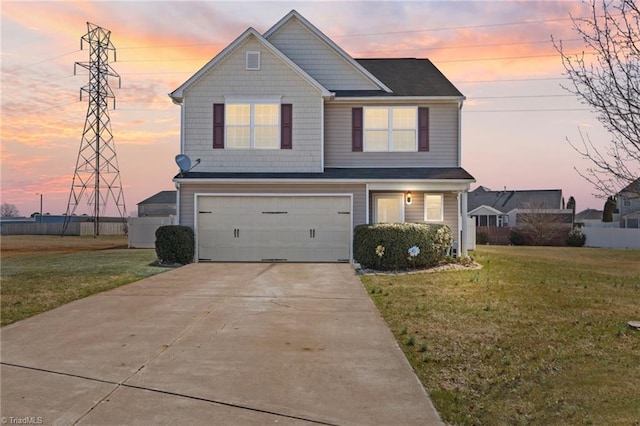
pixel 538 336
pixel 40 273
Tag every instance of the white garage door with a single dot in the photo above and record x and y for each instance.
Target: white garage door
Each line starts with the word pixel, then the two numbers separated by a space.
pixel 274 228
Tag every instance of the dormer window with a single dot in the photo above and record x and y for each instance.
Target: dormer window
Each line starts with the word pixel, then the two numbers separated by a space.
pixel 253 61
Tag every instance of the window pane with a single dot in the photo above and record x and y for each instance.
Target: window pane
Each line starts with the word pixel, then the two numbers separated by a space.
pixel 376 118
pixel 238 137
pixel 389 209
pixel 266 114
pixel 238 114
pixel 404 118
pixel 433 207
pixel 404 140
pixel 266 138
pixel 377 140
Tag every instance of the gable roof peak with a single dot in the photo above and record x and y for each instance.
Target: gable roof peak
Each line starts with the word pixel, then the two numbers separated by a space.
pixel 177 94
pixel 294 14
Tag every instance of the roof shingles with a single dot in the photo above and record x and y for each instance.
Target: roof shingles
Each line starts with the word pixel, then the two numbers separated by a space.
pixel 405 77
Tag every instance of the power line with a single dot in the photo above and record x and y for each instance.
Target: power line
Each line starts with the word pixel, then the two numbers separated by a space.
pixel 41 61
pixel 520 96
pixel 170 46
pixel 510 80
pixel 527 110
pixel 468 46
pixel 502 24
pixel 507 58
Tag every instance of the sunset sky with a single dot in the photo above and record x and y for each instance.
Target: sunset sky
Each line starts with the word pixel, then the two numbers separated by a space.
pixel 516 119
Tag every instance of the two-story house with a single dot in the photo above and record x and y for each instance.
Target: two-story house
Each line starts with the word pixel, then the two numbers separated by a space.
pixel 299 142
pixel 628 205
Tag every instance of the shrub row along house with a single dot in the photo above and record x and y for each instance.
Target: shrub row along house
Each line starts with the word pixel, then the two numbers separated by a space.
pixel 299 142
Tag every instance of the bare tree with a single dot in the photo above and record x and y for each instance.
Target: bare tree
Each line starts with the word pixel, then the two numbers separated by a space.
pixel 540 225
pixel 9 210
pixel 606 77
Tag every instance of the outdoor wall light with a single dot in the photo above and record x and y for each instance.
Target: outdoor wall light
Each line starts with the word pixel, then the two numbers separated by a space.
pixel 408 198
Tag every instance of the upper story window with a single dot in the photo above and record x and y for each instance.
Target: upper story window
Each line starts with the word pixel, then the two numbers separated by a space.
pixel 253 125
pixel 626 203
pixel 258 123
pixel 390 128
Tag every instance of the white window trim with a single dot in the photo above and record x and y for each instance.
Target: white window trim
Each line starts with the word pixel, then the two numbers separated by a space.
pixel 390 128
pixel 249 53
pixel 398 195
pixel 253 99
pixel 252 102
pixel 441 219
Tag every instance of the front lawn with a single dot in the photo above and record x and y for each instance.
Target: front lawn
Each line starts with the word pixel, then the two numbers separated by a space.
pixel 537 336
pixel 41 272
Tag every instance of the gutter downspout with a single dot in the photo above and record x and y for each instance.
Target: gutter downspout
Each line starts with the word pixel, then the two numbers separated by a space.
pixel 460 133
pixel 464 228
pixel 182 137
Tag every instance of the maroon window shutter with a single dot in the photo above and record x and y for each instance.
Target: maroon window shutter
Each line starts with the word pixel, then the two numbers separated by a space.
pixel 218 126
pixel 356 130
pixel 423 129
pixel 286 125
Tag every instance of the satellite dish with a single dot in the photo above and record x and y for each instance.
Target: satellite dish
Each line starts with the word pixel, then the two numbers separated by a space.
pixel 184 163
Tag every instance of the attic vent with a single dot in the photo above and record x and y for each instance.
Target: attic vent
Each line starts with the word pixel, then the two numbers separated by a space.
pixel 253 61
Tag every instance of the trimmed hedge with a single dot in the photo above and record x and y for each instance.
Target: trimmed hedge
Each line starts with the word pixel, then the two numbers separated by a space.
pixel 175 244
pixel 389 246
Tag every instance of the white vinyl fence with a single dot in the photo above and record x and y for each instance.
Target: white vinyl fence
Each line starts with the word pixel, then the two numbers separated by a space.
pixel 625 238
pixel 142 230
pixel 73 228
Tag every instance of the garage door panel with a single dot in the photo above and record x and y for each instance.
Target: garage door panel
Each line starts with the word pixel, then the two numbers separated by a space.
pixel 291 228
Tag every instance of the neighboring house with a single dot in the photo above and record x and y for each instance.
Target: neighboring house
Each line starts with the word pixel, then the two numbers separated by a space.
pixel 628 205
pixel 589 217
pixel 501 208
pixel 161 204
pixel 299 143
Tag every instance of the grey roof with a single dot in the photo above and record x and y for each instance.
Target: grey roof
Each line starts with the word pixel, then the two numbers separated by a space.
pixel 633 188
pixel 162 197
pixel 429 173
pixel 405 77
pixel 505 201
pixel 589 214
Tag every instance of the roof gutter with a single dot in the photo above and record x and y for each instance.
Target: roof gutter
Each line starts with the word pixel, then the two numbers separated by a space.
pixel 399 98
pixel 205 181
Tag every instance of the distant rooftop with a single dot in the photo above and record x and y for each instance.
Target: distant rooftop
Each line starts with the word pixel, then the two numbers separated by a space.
pixel 162 197
pixel 507 200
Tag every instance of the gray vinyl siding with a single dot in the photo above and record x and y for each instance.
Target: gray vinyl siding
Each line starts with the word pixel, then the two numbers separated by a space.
pixel 415 211
pixel 187 192
pixel 321 62
pixel 275 78
pixel 443 139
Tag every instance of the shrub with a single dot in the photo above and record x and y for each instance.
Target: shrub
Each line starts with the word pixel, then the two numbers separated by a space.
pixel 482 238
pixel 517 238
pixel 396 246
pixel 576 238
pixel 175 244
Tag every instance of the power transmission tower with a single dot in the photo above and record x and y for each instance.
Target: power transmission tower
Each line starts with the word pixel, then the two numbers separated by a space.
pixel 97 172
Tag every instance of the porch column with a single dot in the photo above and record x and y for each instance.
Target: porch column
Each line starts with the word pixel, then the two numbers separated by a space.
pixel 462 247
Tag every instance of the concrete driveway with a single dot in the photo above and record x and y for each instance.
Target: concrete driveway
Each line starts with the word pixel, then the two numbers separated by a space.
pixel 214 344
